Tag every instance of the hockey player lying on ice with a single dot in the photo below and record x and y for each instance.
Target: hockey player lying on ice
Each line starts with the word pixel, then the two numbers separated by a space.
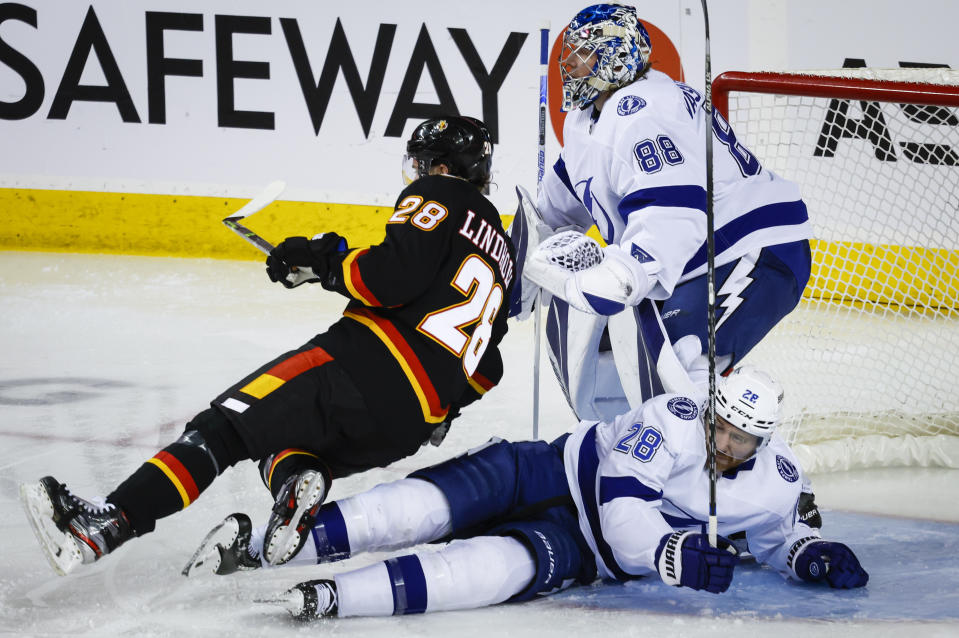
pixel 621 500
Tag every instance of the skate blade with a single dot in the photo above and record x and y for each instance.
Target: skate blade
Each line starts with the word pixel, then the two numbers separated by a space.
pixel 206 559
pixel 286 540
pixel 59 547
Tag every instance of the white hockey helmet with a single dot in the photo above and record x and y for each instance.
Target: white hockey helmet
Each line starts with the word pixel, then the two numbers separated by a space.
pixel 750 400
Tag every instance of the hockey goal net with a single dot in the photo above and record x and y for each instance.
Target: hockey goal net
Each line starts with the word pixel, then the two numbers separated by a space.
pixel 870 358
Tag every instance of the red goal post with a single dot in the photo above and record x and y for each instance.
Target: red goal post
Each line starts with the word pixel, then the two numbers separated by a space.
pixel 870 358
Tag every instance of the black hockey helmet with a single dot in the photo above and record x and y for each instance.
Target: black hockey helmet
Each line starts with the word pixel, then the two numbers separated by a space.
pixel 462 143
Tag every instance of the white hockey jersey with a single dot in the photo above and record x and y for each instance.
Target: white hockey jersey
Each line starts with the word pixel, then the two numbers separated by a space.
pixel 638 172
pixel 644 475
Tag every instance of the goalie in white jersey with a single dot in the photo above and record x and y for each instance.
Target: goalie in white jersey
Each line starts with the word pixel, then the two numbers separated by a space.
pixel 622 499
pixel 634 164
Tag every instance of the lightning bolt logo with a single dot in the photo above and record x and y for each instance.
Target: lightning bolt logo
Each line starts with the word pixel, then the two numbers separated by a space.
pixel 733 287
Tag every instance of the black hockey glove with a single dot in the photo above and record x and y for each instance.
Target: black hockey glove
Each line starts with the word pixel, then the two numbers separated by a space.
pixel 808 510
pixel 834 562
pixel 685 559
pixel 298 260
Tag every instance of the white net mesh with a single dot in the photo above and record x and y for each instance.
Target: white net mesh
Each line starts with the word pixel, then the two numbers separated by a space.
pixel 868 358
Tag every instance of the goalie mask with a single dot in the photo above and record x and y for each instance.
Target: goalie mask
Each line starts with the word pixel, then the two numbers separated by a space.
pixel 604 47
pixel 463 144
pixel 750 400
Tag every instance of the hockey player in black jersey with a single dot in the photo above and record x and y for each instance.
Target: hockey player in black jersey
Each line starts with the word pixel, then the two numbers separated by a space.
pixel 417 342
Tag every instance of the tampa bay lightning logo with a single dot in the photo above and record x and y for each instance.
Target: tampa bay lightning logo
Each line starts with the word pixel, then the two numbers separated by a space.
pixel 684 408
pixel 786 469
pixel 630 104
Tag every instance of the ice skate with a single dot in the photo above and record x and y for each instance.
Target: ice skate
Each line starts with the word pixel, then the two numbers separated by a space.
pixel 310 600
pixel 72 531
pixel 225 549
pixel 293 515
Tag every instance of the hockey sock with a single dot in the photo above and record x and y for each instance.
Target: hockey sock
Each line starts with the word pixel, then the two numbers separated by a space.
pixel 393 516
pixel 177 474
pixel 389 516
pixel 463 575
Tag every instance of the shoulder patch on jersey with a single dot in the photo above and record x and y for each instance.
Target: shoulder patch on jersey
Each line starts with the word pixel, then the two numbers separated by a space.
pixel 683 407
pixel 629 104
pixel 786 469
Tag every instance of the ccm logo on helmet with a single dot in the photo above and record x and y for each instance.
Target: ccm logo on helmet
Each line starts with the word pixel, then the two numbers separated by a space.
pixel 739 410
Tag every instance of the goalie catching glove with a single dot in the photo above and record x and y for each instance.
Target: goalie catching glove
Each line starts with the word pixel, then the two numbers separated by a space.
pixel 595 280
pixel 298 260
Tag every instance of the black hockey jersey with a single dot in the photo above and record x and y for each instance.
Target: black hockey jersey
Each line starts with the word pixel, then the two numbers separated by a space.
pixel 431 300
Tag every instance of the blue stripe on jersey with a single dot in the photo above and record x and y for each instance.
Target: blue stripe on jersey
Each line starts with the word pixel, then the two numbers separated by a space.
pixel 682 522
pixel 409 584
pixel 670 196
pixel 586 479
pixel 611 487
pixel 560 169
pixel 329 534
pixel 768 216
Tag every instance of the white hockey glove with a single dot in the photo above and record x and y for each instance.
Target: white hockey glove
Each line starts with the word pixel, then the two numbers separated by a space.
pixel 592 279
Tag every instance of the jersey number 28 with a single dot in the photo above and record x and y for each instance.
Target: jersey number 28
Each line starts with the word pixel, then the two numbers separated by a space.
pixel 476 280
pixel 641 442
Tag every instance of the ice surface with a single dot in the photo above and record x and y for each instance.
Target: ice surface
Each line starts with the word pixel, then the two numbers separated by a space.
pixel 103 359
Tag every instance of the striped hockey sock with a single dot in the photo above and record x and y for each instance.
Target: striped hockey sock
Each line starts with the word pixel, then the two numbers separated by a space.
pixel 166 483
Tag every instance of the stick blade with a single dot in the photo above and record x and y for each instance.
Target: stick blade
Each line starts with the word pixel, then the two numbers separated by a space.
pixel 263 199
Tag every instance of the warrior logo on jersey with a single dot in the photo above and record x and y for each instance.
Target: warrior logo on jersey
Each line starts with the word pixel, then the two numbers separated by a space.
pixel 684 408
pixel 630 104
pixel 786 469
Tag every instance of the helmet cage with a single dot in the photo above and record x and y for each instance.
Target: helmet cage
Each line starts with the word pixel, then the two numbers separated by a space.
pixel 617 42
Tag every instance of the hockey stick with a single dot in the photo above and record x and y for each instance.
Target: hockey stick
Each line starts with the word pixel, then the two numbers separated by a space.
pixel 261 201
pixel 711 290
pixel 540 171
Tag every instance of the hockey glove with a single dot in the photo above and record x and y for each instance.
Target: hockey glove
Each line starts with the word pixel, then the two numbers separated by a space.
pixel 685 559
pixel 298 260
pixel 834 562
